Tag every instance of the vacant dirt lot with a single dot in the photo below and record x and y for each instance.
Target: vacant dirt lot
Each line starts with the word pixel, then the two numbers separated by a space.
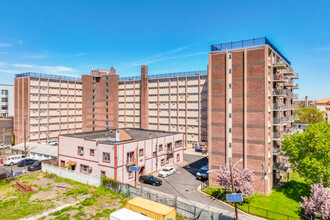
pixel 51 192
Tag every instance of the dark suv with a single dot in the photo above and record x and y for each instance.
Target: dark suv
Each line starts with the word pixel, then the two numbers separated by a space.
pixel 150 180
pixel 26 162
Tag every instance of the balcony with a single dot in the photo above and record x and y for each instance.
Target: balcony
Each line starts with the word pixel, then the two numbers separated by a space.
pixel 280 65
pixel 277 136
pixel 279 78
pixel 280 92
pixel 291 118
pixel 279 121
pixel 169 151
pixel 130 163
pixel 288 72
pixel 280 166
pixel 276 151
pixel 292 95
pixel 278 107
pixel 295 76
pixel 290 83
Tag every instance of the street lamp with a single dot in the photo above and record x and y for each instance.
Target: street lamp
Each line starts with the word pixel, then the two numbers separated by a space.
pixel 232 181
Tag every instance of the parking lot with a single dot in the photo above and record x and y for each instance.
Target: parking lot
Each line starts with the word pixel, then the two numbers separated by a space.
pixel 15 168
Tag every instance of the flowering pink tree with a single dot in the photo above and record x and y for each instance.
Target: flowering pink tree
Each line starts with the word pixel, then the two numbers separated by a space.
pixel 318 203
pixel 243 180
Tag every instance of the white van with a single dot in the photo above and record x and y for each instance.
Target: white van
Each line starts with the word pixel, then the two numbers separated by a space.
pixel 11 160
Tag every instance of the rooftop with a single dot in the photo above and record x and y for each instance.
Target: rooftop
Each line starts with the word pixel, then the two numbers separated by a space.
pixel 109 136
pixel 166 75
pixel 247 43
pixel 323 101
pixel 47 76
pixel 38 148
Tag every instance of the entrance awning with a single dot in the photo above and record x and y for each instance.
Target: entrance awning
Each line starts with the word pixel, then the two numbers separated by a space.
pixel 72 162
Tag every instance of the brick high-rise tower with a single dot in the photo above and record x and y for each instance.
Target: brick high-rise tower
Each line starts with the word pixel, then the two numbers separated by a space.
pixel 249 108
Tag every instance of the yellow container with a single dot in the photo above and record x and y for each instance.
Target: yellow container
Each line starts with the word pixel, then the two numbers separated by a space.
pixel 151 209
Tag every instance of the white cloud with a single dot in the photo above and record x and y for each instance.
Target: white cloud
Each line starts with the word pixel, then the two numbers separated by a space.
pixel 21 67
pixel 5 45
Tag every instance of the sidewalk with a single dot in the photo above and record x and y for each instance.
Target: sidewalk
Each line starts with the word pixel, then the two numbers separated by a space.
pixel 193 152
pixel 209 207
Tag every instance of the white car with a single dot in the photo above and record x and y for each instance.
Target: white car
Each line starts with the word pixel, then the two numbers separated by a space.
pixel 167 171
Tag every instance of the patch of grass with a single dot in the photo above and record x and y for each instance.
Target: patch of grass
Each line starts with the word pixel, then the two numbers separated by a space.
pixel 66 209
pixel 283 200
pixel 63 217
pixel 21 207
pixel 50 176
pixel 82 189
pixel 104 214
pixel 179 217
pixel 79 214
pixel 89 201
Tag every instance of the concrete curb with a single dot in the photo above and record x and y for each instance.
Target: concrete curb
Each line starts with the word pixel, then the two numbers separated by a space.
pixel 239 211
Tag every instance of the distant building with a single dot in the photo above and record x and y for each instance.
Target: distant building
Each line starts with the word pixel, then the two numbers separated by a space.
pixel 324 106
pixel 6 130
pixel 6 100
pixel 36 151
pixel 112 152
pixel 49 105
pixel 304 102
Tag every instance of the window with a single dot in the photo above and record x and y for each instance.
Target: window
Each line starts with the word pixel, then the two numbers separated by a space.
pixel 4 92
pixel 92 152
pixel 229 130
pixel 93 90
pixel 106 90
pixel 230 86
pixel 106 157
pixel 177 157
pixel 4 99
pixel 230 100
pixel 229 70
pixel 160 147
pixel 106 84
pixel 162 162
pixel 169 147
pixel 102 173
pixel 80 150
pixel 229 144
pixel 178 143
pixel 106 77
pixel 141 152
pixel 130 157
pixel 229 115
pixel 130 174
pixel 229 55
pixel 84 168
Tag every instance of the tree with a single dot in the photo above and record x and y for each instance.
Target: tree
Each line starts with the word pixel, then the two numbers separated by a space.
pixel 318 203
pixel 309 153
pixel 243 180
pixel 310 115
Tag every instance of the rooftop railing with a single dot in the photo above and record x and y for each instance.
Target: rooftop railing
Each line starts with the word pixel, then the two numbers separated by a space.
pixel 47 76
pixel 247 43
pixel 166 75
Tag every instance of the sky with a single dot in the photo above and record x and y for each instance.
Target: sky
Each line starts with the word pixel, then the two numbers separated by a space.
pixel 69 37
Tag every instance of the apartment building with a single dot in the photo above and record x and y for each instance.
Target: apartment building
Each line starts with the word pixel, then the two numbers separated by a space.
pixel 6 100
pixel 250 104
pixel 174 102
pixel 324 106
pixel 46 106
pixel 111 152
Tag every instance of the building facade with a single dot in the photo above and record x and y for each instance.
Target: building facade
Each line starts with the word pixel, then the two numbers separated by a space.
pixel 169 102
pixel 6 130
pixel 250 104
pixel 324 106
pixel 46 106
pixel 112 152
pixel 6 100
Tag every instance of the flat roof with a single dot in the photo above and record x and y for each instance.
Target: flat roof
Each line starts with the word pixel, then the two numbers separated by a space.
pixel 47 76
pixel 150 205
pixel 38 148
pixel 247 43
pixel 109 136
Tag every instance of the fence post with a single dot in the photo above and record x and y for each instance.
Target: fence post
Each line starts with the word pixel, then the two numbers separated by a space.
pixel 128 192
pixel 248 208
pixel 141 192
pixel 175 201
pixel 267 212
pixel 194 212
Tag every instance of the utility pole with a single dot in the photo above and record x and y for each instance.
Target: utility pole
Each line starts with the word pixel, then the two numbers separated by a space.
pixel 233 189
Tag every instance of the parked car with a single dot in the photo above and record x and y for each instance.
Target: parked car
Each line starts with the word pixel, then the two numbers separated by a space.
pixel 202 173
pixel 35 166
pixel 167 171
pixel 26 162
pixel 2 146
pixel 150 180
pixel 14 159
